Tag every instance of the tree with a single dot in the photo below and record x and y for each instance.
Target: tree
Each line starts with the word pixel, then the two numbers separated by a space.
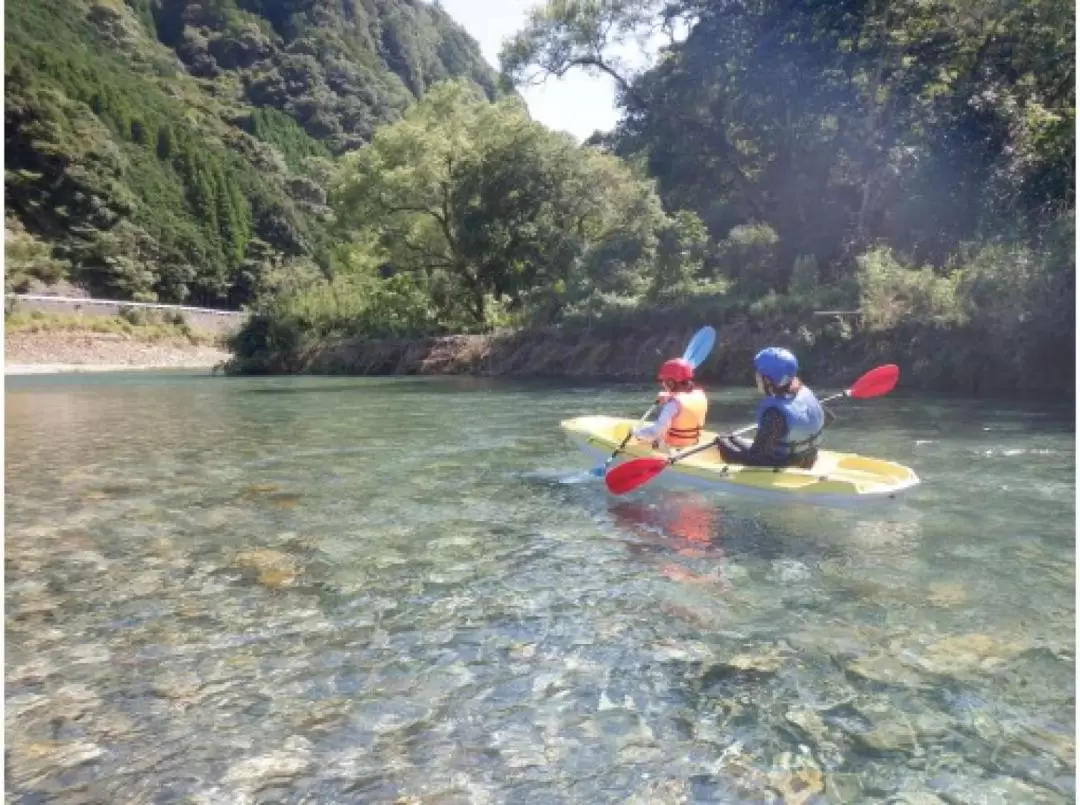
pixel 839 124
pixel 485 205
pixel 561 35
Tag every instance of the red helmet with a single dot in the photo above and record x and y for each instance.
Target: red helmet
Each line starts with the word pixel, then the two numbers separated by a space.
pixel 677 370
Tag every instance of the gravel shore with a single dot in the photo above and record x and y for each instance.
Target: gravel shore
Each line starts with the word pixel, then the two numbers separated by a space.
pixel 48 352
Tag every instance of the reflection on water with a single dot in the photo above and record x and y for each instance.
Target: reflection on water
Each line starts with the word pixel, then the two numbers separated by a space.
pixel 323 590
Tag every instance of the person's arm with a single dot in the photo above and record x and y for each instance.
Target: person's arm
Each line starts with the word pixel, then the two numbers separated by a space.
pixel 650 433
pixel 770 433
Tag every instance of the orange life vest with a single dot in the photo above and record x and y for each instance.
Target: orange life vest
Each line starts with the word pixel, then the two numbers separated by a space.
pixel 686 425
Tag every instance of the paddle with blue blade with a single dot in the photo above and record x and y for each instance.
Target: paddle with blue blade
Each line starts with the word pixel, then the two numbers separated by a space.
pixel 639 471
pixel 696 352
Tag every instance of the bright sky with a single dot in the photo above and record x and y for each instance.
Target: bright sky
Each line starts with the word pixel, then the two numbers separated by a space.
pixel 577 103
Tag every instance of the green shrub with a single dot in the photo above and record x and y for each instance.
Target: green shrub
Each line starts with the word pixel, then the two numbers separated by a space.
pixel 891 293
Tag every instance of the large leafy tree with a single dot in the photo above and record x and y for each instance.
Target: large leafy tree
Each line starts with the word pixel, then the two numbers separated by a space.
pixel 483 205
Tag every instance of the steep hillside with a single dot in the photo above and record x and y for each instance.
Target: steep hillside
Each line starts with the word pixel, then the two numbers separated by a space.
pixel 178 150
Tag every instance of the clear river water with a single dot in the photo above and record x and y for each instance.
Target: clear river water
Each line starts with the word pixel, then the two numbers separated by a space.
pixel 407 590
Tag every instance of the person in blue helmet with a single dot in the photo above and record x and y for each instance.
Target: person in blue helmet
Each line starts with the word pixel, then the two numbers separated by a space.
pixel 790 420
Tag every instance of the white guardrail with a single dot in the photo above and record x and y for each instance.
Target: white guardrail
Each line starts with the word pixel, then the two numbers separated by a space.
pixel 78 301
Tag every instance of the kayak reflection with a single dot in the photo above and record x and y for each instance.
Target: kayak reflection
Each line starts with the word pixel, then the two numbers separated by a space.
pixel 683 523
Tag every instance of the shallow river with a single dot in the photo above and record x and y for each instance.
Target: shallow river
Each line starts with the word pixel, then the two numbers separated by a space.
pixel 314 590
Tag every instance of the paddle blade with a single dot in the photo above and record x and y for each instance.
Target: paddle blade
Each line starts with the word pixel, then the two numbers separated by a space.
pixel 632 474
pixel 700 346
pixel 876 382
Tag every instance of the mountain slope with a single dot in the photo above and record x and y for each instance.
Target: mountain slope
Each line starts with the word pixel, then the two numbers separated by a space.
pixel 179 150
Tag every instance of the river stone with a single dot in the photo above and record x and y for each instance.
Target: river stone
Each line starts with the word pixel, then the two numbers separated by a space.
pixel 958 655
pixel 986 727
pixel 264 559
pixel 274 569
pixel 661 792
pixel 886 669
pixel 146 583
pixel 259 489
pixel 69 703
pixel 323 716
pixel 112 726
pixel 916 798
pixel 522 651
pixel 518 749
pixel 765 663
pixel 284 500
pixel 995 791
pixel 841 788
pixel 740 770
pixel 276 579
pixel 36 671
pixel 796 779
pixel 689 651
pixel 790 570
pixel 178 685
pixel 275 768
pixel 946 594
pixel 87 654
pixel 808 722
pixel 31 764
pixel 1061 745
pixel 891 730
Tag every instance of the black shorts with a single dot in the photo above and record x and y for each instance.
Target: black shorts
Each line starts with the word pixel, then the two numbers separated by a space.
pixel 736 450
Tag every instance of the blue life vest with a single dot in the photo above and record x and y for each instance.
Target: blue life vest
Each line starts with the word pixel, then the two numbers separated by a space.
pixel 805 420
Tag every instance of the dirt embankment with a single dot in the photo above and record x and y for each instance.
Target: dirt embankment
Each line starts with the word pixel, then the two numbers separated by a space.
pixel 59 351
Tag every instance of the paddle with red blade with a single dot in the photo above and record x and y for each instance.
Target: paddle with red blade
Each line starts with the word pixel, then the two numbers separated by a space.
pixel 639 471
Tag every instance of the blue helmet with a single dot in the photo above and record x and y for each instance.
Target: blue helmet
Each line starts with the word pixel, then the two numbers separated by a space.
pixel 776 364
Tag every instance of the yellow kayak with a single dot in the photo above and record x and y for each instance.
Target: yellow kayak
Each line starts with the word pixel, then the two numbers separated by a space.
pixel 837 479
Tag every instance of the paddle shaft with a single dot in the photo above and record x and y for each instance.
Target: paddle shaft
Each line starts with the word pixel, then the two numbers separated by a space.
pixel 696 352
pixel 629 433
pixel 702 447
pixel 830 398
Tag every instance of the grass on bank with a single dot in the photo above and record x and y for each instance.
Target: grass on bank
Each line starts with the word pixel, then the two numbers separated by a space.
pixel 131 323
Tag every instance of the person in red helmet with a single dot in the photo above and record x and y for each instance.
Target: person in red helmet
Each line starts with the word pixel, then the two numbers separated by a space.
pixel 685 407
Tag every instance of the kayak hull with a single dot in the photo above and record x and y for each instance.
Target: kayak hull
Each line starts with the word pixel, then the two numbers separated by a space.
pixel 843 480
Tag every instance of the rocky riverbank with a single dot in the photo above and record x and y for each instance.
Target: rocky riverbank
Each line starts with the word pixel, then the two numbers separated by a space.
pixel 932 357
pixel 59 351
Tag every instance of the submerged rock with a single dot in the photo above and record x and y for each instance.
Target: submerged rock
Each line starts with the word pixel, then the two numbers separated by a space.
pixel 796 779
pixel 31 764
pixel 46 712
pixel 963 654
pixel 661 792
pixel 687 651
pixel 273 569
pixel 324 715
pixel 810 727
pixel 945 594
pixel 763 663
pixel 957 790
pixel 841 789
pixel 275 768
pixel 916 798
pixel 178 686
pixel 887 669
pixel 1060 745
pixel 889 728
